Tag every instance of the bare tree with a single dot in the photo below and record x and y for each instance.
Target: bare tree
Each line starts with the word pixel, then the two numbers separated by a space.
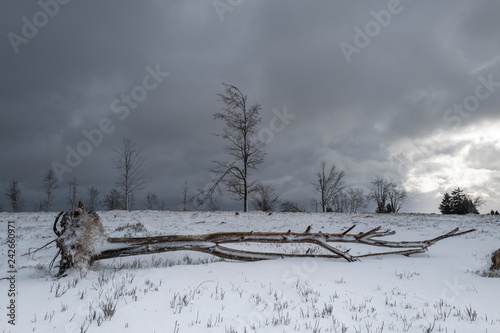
pixel 314 204
pixel 290 207
pixel 328 183
pixel 93 201
pixel 49 186
pixel 72 193
pixel 163 206
pixel 355 199
pixel 113 200
pixel 39 205
pixel 475 203
pixel 397 197
pixel 348 201
pixel 213 206
pixel 13 193
pixel 340 202
pixel 131 177
pixel 265 197
pixel 151 201
pixel 389 196
pixel 379 193
pixel 185 197
pixel 240 131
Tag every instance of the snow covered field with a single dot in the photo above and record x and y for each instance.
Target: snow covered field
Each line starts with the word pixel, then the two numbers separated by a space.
pixel 439 291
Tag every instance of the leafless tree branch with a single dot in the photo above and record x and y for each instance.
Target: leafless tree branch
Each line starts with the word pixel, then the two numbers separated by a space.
pixel 265 197
pixel 240 131
pixel 130 167
pixel 329 183
pixel 14 194
pixel 49 186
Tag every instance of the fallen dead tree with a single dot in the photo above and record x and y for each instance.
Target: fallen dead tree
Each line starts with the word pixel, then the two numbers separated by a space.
pixel 81 241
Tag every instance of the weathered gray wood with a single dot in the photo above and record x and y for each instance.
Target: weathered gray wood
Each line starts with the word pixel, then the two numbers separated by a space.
pixel 115 247
pixel 210 243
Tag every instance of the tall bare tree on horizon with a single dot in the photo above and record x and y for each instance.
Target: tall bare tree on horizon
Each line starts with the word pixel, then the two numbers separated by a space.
pixel 328 183
pixel 241 122
pixel 152 201
pixel 397 198
pixel 93 201
pixel 72 193
pixel 356 199
pixel 13 193
pixel 49 185
pixel 388 195
pixel 130 167
pixel 113 200
pixel 380 192
pixel 185 197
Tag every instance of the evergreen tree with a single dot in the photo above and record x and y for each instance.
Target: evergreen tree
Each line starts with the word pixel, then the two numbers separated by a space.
pixel 445 206
pixel 459 203
pixel 470 207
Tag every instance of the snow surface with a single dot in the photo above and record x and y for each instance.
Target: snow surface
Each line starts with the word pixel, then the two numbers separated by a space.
pixel 439 291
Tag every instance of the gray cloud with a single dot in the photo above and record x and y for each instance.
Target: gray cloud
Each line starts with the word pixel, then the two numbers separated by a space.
pixel 389 100
pixel 484 156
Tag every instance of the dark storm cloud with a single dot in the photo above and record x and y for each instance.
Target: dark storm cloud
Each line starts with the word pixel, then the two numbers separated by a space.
pixel 283 54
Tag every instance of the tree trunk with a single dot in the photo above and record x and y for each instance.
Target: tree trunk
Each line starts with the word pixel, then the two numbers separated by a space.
pixel 245 183
pixel 80 232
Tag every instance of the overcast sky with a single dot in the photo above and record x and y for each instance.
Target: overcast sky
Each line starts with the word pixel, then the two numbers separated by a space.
pixel 407 90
